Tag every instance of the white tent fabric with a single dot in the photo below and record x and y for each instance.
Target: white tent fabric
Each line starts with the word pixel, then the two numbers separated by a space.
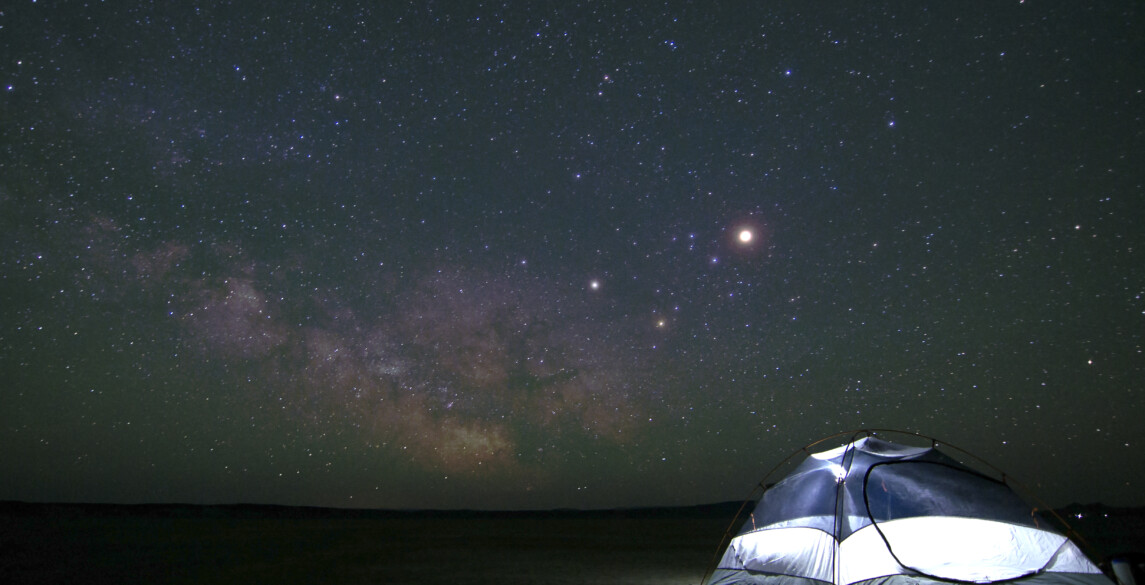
pixel 874 512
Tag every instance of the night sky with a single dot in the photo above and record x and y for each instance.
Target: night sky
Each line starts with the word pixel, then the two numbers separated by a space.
pixel 563 254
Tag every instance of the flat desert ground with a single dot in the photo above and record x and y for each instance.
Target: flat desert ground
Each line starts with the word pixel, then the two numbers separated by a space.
pixel 125 544
pixel 68 543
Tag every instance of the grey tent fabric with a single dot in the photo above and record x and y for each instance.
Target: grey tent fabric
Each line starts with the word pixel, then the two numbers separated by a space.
pixel 872 512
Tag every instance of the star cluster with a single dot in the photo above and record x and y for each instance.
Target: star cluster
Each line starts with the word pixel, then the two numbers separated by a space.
pixel 566 254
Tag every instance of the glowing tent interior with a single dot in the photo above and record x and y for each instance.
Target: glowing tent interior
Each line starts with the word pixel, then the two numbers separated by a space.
pixel 873 512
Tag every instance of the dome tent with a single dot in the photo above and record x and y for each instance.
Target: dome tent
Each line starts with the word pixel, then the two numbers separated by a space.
pixel 873 512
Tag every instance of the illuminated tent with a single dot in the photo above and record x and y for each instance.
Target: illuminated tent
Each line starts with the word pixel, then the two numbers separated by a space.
pixel 873 512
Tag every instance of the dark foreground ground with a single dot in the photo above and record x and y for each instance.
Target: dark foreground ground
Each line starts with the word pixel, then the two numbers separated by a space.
pixel 186 544
pixel 55 543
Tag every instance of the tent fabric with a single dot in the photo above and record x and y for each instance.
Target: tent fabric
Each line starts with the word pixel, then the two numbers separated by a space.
pixel 873 512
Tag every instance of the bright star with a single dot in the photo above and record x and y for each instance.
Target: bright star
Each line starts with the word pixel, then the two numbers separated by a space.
pixel 747 235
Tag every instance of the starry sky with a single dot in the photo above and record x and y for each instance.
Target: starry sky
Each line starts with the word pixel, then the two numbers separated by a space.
pixel 563 254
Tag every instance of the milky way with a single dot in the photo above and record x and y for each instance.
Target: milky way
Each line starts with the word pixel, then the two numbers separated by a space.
pixel 460 371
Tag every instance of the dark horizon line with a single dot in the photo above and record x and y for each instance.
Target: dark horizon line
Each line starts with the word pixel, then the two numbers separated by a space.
pixel 725 509
pixel 244 509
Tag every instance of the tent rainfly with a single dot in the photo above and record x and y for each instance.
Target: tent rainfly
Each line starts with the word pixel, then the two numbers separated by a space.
pixel 873 512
